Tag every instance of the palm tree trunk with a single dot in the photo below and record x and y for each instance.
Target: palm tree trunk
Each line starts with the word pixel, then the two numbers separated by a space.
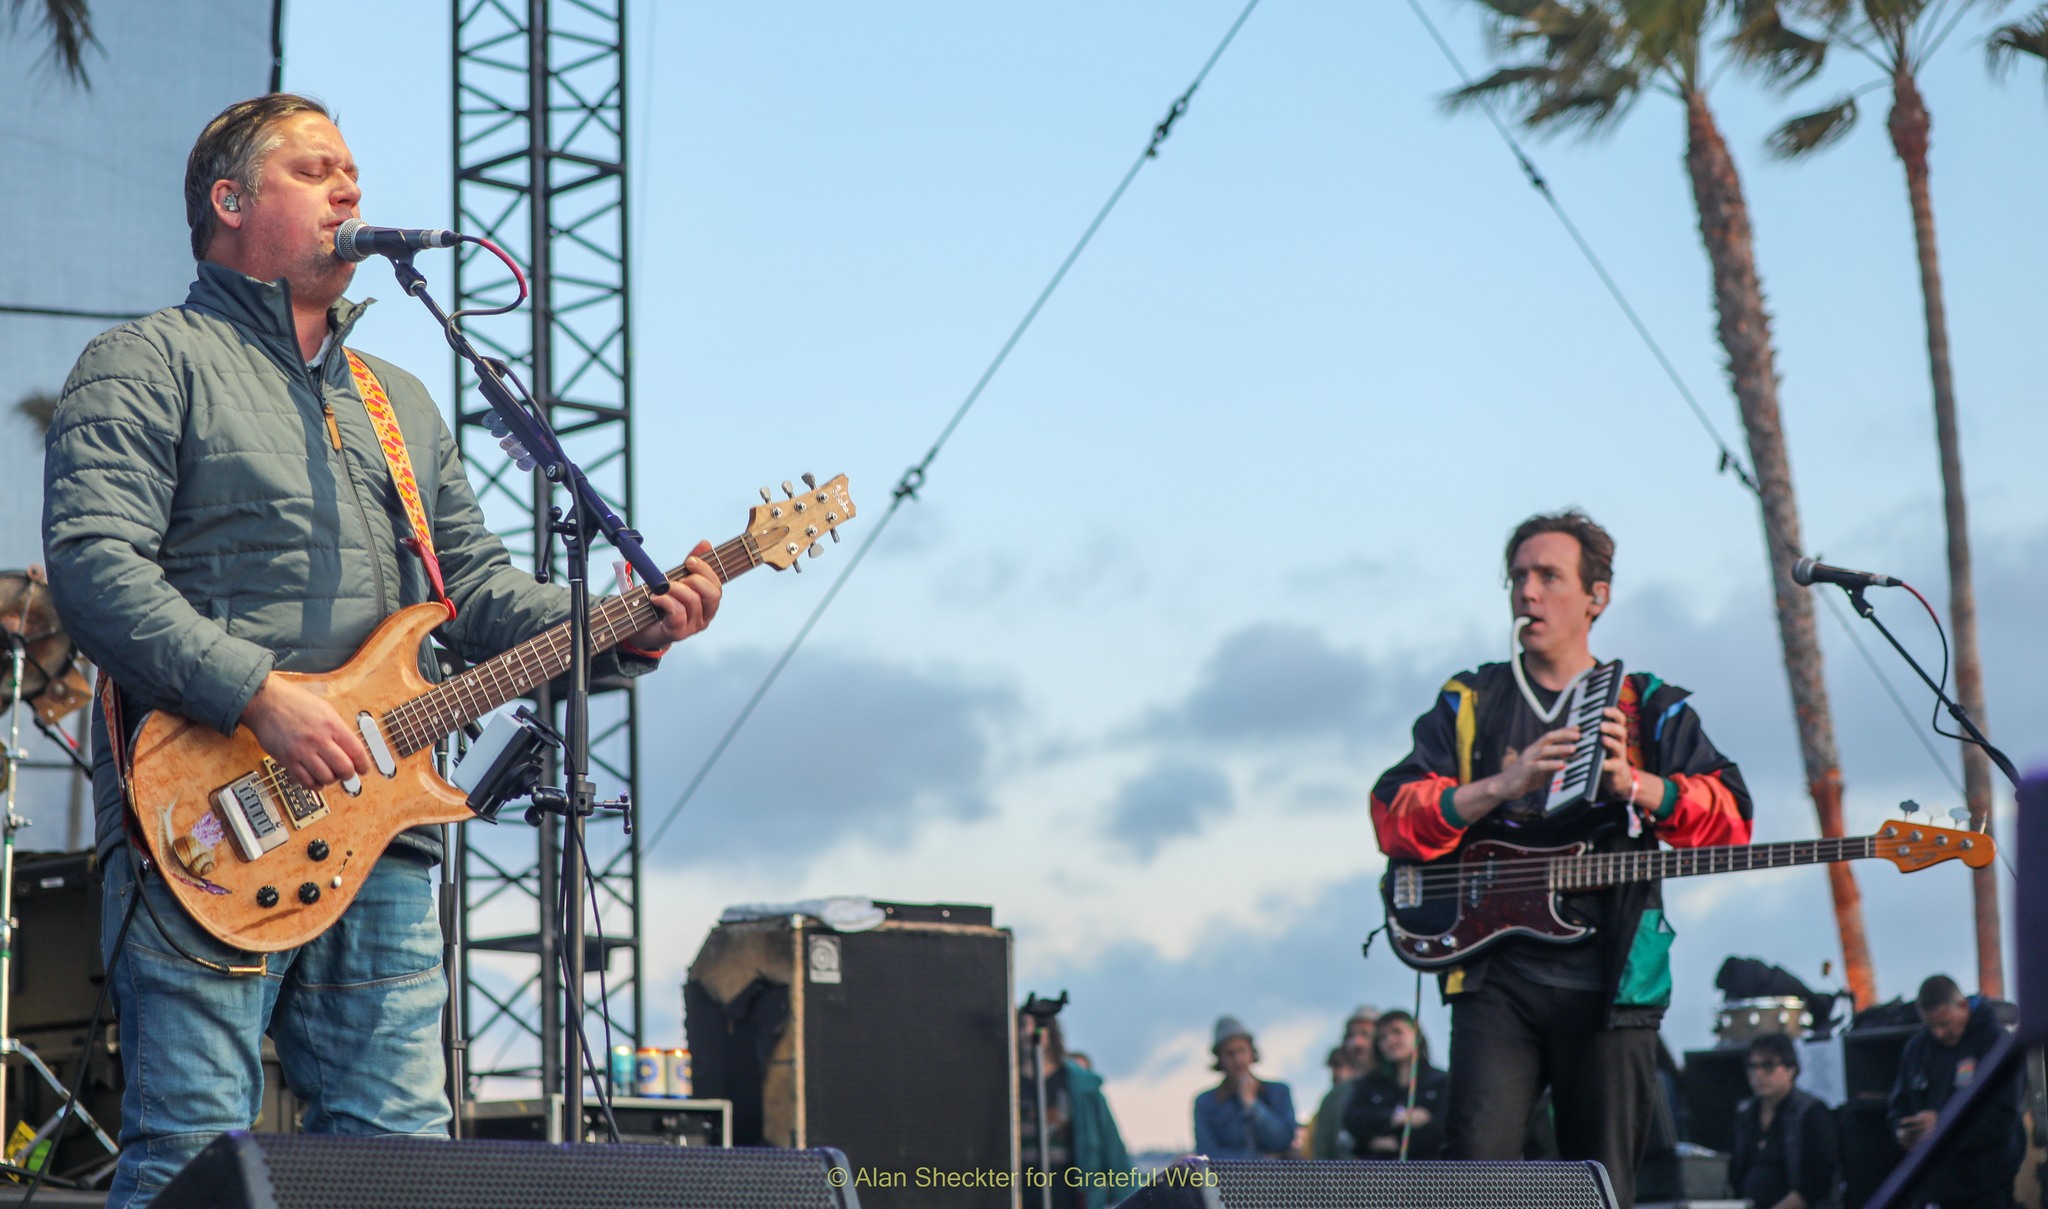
pixel 1745 332
pixel 1910 128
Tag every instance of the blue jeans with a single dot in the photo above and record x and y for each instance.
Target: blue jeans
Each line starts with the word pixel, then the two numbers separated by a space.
pixel 355 1013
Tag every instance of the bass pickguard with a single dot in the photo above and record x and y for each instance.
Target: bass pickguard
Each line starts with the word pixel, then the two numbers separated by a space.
pixel 1442 912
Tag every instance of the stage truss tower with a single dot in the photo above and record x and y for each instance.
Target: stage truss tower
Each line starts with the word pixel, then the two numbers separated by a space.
pixel 540 169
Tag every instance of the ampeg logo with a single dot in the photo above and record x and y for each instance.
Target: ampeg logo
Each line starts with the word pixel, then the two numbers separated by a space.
pixel 824 959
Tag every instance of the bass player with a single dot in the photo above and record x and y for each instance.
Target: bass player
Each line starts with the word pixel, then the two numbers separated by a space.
pixel 219 508
pixel 1579 1019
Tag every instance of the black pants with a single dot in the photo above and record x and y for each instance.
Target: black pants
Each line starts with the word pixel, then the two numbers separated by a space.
pixel 1511 1038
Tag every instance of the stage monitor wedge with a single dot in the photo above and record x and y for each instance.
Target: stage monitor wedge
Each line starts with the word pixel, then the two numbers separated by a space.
pixel 1201 1183
pixel 305 1171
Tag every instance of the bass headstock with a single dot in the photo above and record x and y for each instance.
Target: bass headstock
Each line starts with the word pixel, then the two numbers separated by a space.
pixel 1915 846
pixel 785 530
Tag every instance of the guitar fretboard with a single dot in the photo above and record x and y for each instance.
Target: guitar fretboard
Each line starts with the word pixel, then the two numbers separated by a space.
pixel 1595 870
pixel 422 721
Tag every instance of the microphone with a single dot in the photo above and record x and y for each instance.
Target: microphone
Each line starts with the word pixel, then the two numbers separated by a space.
pixel 1807 572
pixel 357 240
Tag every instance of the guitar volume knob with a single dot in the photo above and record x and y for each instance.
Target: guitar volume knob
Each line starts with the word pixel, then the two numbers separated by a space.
pixel 267 897
pixel 309 893
pixel 317 850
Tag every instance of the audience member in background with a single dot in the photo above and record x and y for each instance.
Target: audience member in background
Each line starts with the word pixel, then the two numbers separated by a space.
pixel 1243 1117
pixel 1080 1059
pixel 1081 1134
pixel 1938 1062
pixel 1379 1118
pixel 1784 1138
pixel 1327 1138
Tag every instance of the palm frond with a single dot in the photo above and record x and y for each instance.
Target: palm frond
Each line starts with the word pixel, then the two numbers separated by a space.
pixel 1810 132
pixel 2028 36
pixel 1779 53
pixel 39 409
pixel 69 25
pixel 1563 63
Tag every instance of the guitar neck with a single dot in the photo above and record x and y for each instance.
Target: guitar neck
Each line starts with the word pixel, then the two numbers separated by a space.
pixel 422 721
pixel 1596 870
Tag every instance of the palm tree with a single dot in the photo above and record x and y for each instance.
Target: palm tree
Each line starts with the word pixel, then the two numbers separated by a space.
pixel 2028 36
pixel 70 27
pixel 1898 37
pixel 1582 64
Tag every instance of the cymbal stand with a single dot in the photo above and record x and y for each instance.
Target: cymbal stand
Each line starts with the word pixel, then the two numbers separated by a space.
pixel 10 1047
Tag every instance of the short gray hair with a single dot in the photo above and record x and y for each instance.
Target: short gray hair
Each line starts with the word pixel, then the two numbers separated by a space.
pixel 233 147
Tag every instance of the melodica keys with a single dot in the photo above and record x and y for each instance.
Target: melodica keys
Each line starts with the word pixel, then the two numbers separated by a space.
pixel 1579 780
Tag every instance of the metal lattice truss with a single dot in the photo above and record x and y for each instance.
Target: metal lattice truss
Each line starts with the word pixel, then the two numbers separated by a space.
pixel 540 150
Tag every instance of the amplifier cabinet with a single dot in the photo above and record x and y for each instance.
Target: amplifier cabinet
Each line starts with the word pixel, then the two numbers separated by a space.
pixel 650 1119
pixel 896 1046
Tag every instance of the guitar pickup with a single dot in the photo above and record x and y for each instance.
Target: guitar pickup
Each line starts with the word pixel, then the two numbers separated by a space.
pixel 1407 887
pixel 256 807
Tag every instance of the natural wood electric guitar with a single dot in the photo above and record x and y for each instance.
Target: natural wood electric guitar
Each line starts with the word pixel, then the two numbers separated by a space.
pixel 264 863
pixel 1444 911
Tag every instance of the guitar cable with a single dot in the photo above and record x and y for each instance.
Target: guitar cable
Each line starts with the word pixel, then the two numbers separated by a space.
pixel 92 1032
pixel 602 1086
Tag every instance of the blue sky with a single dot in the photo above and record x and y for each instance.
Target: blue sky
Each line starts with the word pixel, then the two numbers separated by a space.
pixel 1233 509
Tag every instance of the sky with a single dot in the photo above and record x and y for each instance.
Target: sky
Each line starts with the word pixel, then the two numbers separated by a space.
pixel 1233 509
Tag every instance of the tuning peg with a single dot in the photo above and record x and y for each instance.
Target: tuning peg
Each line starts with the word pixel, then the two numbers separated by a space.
pixel 814 551
pixel 1961 815
pixel 797 566
pixel 788 490
pixel 1909 808
pixel 810 480
pixel 835 535
pixel 765 497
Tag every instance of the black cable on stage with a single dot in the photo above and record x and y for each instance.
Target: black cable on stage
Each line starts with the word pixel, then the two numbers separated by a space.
pixel 913 479
pixel 1731 462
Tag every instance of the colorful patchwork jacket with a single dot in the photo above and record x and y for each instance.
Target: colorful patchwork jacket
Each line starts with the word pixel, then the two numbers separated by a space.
pixel 1464 737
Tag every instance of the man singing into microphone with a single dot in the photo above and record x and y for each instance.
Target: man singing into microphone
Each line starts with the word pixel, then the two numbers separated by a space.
pixel 1580 1019
pixel 218 509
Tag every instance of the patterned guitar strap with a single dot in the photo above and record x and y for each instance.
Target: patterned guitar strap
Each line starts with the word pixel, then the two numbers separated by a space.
pixel 385 422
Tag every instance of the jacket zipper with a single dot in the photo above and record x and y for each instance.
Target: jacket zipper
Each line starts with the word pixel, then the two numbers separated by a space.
pixel 362 513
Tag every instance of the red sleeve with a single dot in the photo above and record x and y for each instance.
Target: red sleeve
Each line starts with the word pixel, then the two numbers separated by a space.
pixel 1706 813
pixel 1414 824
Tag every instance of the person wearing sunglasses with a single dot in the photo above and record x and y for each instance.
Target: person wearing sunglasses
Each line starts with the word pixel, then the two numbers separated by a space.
pixel 1784 1138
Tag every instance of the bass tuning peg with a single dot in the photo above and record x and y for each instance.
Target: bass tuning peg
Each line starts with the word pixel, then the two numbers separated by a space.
pixel 810 480
pixel 765 497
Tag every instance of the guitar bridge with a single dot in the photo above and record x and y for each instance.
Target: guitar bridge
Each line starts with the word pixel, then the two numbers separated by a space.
pixel 1407 887
pixel 256 806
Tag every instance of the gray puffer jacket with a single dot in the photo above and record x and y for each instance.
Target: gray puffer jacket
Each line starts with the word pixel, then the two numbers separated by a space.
pixel 201 528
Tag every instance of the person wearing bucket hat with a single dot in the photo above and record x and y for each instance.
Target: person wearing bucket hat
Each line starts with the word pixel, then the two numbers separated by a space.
pixel 1243 1117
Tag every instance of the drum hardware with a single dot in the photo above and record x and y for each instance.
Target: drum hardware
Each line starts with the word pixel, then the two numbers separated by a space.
pixel 1741 1020
pixel 35 641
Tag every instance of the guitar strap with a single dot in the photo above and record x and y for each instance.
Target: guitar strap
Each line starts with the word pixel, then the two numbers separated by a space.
pixel 392 441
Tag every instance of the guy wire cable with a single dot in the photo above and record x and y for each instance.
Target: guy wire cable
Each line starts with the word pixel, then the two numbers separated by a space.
pixel 1731 462
pixel 913 478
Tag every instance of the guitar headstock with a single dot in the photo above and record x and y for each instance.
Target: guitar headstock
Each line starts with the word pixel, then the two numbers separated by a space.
pixel 1915 846
pixel 783 530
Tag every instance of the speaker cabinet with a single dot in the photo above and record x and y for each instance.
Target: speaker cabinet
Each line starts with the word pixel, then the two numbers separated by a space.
pixel 1199 1183
pixel 895 1046
pixel 1869 1152
pixel 1713 1083
pixel 1870 1060
pixel 306 1171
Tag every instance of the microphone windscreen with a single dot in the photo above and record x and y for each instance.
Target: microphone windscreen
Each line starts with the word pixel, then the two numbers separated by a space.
pixel 345 241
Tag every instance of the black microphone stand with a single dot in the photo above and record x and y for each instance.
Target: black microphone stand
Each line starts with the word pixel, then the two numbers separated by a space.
pixel 588 516
pixel 1041 1012
pixel 1961 715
